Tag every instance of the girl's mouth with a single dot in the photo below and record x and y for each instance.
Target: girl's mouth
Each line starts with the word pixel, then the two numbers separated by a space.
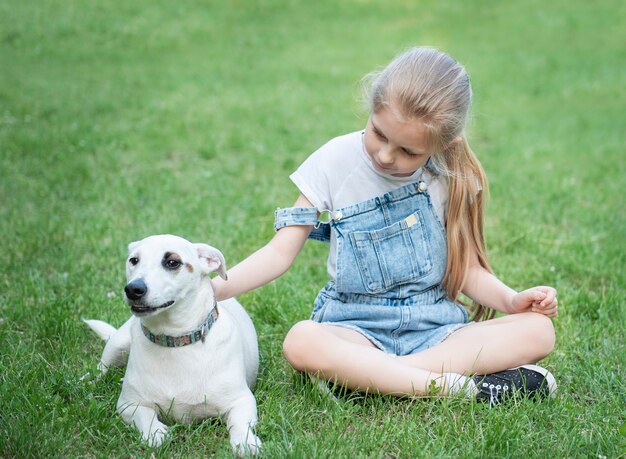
pixel 381 168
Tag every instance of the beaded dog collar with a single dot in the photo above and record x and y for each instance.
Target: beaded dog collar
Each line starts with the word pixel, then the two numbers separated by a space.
pixel 199 334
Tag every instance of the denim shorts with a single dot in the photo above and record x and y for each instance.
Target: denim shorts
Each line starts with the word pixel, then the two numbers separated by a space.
pixel 393 326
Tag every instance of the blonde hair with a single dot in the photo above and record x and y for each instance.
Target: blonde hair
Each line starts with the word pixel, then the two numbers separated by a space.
pixel 430 86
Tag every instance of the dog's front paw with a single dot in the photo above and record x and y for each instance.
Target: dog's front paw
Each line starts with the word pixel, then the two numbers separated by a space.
pixel 156 435
pixel 251 445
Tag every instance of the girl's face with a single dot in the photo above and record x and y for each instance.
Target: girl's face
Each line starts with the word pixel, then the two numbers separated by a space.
pixel 396 147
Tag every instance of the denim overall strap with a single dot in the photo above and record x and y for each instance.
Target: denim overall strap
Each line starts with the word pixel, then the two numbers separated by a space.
pixel 295 216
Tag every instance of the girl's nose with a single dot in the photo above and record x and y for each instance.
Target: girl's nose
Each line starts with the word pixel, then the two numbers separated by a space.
pixel 385 155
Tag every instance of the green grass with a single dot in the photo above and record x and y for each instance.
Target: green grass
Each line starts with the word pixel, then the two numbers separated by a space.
pixel 124 119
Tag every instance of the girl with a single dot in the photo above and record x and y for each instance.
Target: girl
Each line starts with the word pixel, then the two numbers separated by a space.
pixel 402 206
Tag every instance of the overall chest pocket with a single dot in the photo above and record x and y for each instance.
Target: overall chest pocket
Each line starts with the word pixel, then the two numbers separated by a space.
pixel 394 255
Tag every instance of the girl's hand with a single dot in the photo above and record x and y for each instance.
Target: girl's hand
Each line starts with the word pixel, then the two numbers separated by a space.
pixel 537 299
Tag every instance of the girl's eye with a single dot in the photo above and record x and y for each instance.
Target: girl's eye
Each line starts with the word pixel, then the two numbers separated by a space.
pixel 172 264
pixel 379 135
pixel 133 260
pixel 407 152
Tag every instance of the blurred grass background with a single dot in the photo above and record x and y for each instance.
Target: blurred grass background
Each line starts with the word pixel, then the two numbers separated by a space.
pixel 124 119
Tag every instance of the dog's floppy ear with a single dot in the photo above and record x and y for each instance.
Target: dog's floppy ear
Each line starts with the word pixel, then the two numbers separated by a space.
pixel 212 259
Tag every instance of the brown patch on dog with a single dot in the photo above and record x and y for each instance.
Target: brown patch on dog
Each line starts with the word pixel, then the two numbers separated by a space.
pixel 189 267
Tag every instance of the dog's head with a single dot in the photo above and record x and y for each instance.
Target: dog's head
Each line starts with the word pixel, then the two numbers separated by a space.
pixel 163 270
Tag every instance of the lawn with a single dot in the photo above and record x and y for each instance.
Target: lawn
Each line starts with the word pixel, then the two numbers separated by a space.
pixel 123 119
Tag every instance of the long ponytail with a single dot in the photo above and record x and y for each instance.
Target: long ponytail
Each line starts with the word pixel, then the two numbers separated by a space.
pixel 468 189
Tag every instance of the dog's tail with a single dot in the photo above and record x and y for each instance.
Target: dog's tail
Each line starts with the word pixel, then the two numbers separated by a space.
pixel 102 329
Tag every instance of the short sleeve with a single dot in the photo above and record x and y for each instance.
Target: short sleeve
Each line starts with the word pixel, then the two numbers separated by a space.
pixel 323 173
pixel 313 182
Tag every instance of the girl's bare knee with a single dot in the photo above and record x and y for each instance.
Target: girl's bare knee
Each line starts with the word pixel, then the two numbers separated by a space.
pixel 542 334
pixel 298 345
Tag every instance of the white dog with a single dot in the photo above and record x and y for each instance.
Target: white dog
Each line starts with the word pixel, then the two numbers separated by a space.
pixel 189 357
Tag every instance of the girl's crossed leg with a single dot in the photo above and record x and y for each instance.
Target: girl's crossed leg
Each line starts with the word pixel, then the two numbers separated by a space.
pixel 349 358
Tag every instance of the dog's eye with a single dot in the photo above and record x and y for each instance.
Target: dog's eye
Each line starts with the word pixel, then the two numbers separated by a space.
pixel 172 264
pixel 133 260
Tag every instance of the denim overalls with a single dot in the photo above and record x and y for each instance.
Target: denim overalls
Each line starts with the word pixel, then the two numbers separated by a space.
pixel 391 258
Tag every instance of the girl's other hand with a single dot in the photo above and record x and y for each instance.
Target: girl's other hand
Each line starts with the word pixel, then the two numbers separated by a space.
pixel 540 299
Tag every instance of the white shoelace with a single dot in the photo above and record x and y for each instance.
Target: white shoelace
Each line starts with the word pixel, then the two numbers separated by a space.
pixel 494 392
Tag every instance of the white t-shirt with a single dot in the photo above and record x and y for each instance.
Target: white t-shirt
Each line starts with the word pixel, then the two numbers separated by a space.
pixel 341 174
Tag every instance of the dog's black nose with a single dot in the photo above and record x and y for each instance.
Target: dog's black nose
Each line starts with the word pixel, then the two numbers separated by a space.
pixel 135 289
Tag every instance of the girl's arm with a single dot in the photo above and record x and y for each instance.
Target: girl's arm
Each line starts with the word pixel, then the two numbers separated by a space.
pixel 267 263
pixel 486 289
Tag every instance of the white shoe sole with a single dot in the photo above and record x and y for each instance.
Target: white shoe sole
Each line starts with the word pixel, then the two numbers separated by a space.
pixel 546 374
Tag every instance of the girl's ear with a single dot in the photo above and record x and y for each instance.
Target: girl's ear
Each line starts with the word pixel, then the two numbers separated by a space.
pixel 211 260
pixel 454 142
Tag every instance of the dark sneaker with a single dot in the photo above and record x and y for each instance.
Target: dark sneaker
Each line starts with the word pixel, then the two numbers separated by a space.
pixel 527 381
